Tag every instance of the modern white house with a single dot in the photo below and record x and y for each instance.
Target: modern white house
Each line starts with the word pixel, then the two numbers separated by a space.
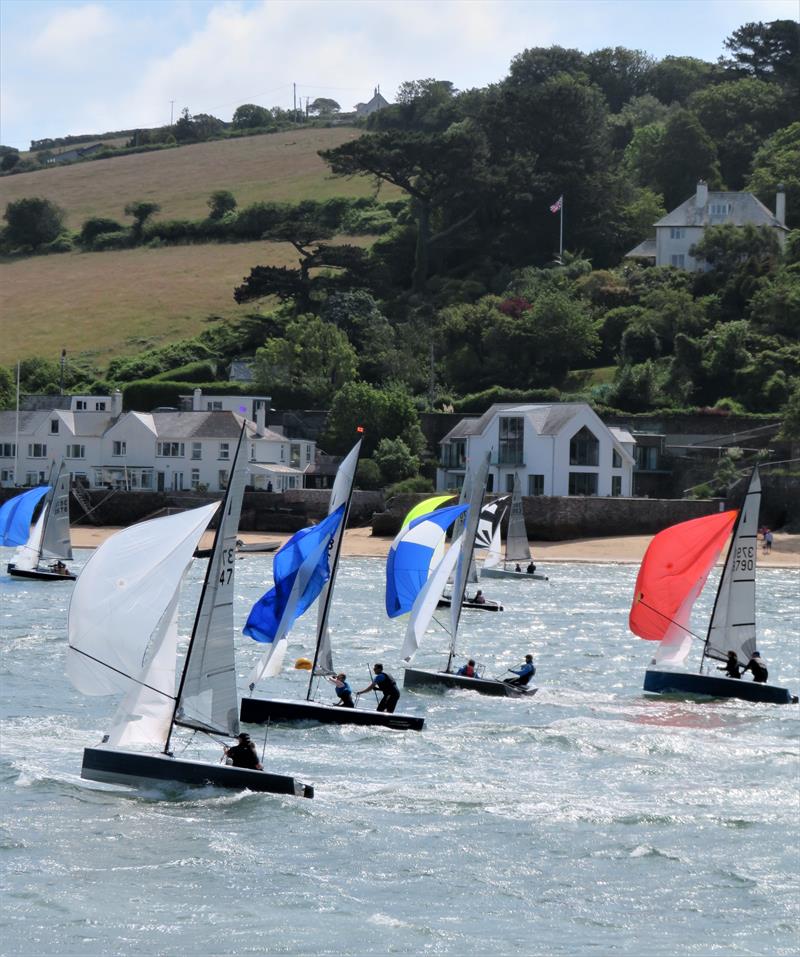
pixel 103 446
pixel 680 229
pixel 554 449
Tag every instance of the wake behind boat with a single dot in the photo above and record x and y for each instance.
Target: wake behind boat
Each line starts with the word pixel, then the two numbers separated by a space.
pixel 672 575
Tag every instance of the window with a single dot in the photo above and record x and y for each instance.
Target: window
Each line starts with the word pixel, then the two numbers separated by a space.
pixel 677 232
pixel 223 478
pixel 720 209
pixel 454 454
pixel 510 482
pixel 616 460
pixel 34 478
pixel 536 485
pixel 7 450
pixel 80 405
pixel 584 449
pixel 119 448
pixel 224 450
pixel 53 426
pixel 177 481
pixel 37 450
pixel 646 457
pixel 616 485
pixel 679 260
pixel 195 479
pixel 511 432
pixel 308 453
pixel 76 452
pixel 100 407
pixel 490 482
pixel 172 450
pixel 294 455
pixel 214 406
pixel 197 451
pixel 583 483
pixel 6 475
pixel 147 480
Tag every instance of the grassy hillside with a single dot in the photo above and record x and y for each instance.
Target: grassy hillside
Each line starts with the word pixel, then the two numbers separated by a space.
pixel 117 303
pixel 277 166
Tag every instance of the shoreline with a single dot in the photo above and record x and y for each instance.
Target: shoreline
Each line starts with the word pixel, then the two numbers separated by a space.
pixel 361 543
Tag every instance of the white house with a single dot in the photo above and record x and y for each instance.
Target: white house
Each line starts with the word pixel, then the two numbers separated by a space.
pixel 555 449
pixel 679 230
pixel 169 450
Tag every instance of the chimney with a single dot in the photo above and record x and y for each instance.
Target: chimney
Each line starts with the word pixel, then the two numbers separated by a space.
pixel 261 418
pixel 780 204
pixel 197 397
pixel 701 199
pixel 116 404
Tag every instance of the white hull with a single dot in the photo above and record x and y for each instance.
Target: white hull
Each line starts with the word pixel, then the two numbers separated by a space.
pixel 510 573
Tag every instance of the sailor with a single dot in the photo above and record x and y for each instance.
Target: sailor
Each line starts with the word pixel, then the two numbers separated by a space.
pixel 343 690
pixel 468 670
pixel 517 567
pixel 243 754
pixel 59 568
pixel 732 667
pixel 758 667
pixel 524 673
pixel 531 568
pixel 480 598
pixel 386 684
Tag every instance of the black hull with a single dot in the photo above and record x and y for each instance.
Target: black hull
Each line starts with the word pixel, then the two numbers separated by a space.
pixel 682 682
pixel 421 678
pixel 263 710
pixel 40 575
pixel 134 769
pixel 487 605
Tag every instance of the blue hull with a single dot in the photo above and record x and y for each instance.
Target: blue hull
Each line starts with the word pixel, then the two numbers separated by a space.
pixel 682 682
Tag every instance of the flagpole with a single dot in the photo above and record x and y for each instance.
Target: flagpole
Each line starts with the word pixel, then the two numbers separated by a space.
pixel 561 235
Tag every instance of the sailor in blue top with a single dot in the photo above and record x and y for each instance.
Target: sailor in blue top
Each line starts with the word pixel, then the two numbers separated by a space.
pixel 524 673
pixel 386 684
pixel 343 691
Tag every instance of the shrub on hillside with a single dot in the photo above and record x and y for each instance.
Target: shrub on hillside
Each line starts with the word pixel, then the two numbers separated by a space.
pixel 480 401
pixel 33 221
pixel 95 226
pixel 200 371
pixel 106 241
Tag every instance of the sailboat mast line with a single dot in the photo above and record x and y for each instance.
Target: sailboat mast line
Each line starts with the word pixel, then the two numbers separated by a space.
pixel 136 681
pixel 671 620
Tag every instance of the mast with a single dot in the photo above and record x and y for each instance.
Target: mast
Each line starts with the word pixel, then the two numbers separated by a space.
pixel 16 435
pixel 322 620
pixel 210 570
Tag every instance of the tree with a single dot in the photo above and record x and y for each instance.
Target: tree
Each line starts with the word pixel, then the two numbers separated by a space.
pixel 620 73
pixel 775 307
pixel 357 314
pixel 221 201
pixel 33 222
pixel 205 126
pixel 688 154
pixel 395 460
pixel 7 388
pixel 790 429
pixel 9 161
pixel 383 414
pixel 248 116
pixel 675 78
pixel 776 163
pixel 766 50
pixel 323 106
pixel 141 210
pixel 95 226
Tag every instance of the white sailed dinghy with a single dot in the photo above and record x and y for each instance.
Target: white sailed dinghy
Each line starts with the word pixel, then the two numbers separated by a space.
pixel 503 564
pixel 48 546
pixel 123 639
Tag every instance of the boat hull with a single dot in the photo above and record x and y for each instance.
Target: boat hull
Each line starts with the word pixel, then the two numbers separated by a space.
pixel 505 573
pixel 38 574
pixel 263 710
pixel 422 677
pixel 133 769
pixel 681 682
pixel 487 605
pixel 258 547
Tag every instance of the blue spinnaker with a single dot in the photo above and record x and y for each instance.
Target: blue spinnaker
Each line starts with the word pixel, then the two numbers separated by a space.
pixel 283 598
pixel 409 560
pixel 15 516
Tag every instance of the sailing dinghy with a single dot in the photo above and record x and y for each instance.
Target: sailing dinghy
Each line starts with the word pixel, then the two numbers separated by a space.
pixel 302 572
pixel 42 556
pixel 123 638
pixel 672 575
pixel 456 562
pixel 499 564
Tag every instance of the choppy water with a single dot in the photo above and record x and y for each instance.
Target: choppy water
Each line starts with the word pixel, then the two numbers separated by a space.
pixel 590 820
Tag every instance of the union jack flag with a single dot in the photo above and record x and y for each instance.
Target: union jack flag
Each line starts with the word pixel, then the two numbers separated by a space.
pixel 557 205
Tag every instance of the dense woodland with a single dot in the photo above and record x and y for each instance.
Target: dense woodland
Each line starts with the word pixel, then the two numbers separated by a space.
pixel 462 299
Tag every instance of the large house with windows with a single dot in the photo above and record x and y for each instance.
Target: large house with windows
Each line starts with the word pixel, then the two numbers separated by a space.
pixel 679 230
pixel 554 449
pixel 103 446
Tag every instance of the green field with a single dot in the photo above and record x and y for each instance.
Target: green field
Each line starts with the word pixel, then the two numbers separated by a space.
pixel 118 303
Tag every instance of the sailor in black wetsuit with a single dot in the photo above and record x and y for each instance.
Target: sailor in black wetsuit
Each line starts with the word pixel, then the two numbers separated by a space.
pixel 386 684
pixel 732 666
pixel 757 666
pixel 243 754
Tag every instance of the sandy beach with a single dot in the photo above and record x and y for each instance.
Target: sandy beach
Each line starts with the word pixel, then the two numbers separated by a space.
pixel 361 543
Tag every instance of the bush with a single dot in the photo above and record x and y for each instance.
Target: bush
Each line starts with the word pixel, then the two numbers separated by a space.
pixel 95 226
pixel 62 244
pixel 368 475
pixel 361 222
pixel 33 221
pixel 395 460
pixel 106 241
pixel 480 401
pixel 200 371
pixel 409 485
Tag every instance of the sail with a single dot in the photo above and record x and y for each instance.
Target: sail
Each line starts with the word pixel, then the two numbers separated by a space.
pixel 733 621
pixel 424 508
pixel 672 574
pixel 16 514
pixel 491 517
pixel 120 605
pixel 55 537
pixel 26 557
pixel 495 554
pixel 517 548
pixel 427 600
pixel 477 490
pixel 208 697
pixel 411 556
pixel 340 498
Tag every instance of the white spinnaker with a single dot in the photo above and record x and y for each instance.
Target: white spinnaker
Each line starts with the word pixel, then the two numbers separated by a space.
pixel 55 538
pixel 26 557
pixel 733 621
pixel 340 495
pixel 427 600
pixel 495 554
pixel 121 597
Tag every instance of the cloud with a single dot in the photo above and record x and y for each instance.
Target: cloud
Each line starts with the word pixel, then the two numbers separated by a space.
pixel 72 34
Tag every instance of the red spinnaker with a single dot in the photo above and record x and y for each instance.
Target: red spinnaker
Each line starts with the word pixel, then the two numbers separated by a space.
pixel 675 562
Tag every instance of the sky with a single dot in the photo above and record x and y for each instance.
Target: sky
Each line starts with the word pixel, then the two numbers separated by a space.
pixel 98 65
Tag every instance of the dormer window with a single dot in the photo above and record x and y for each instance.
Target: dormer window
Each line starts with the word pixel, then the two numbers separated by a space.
pixel 53 426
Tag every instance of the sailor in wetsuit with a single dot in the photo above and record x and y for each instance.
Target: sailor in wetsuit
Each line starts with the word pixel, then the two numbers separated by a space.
pixel 524 673
pixel 386 684
pixel 468 670
pixel 732 666
pixel 758 667
pixel 243 754
pixel 343 691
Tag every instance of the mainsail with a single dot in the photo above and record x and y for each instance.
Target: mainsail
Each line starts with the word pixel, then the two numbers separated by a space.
pixel 517 547
pixel 55 537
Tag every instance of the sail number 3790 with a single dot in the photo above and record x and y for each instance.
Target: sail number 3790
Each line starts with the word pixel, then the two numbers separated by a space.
pixel 745 558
